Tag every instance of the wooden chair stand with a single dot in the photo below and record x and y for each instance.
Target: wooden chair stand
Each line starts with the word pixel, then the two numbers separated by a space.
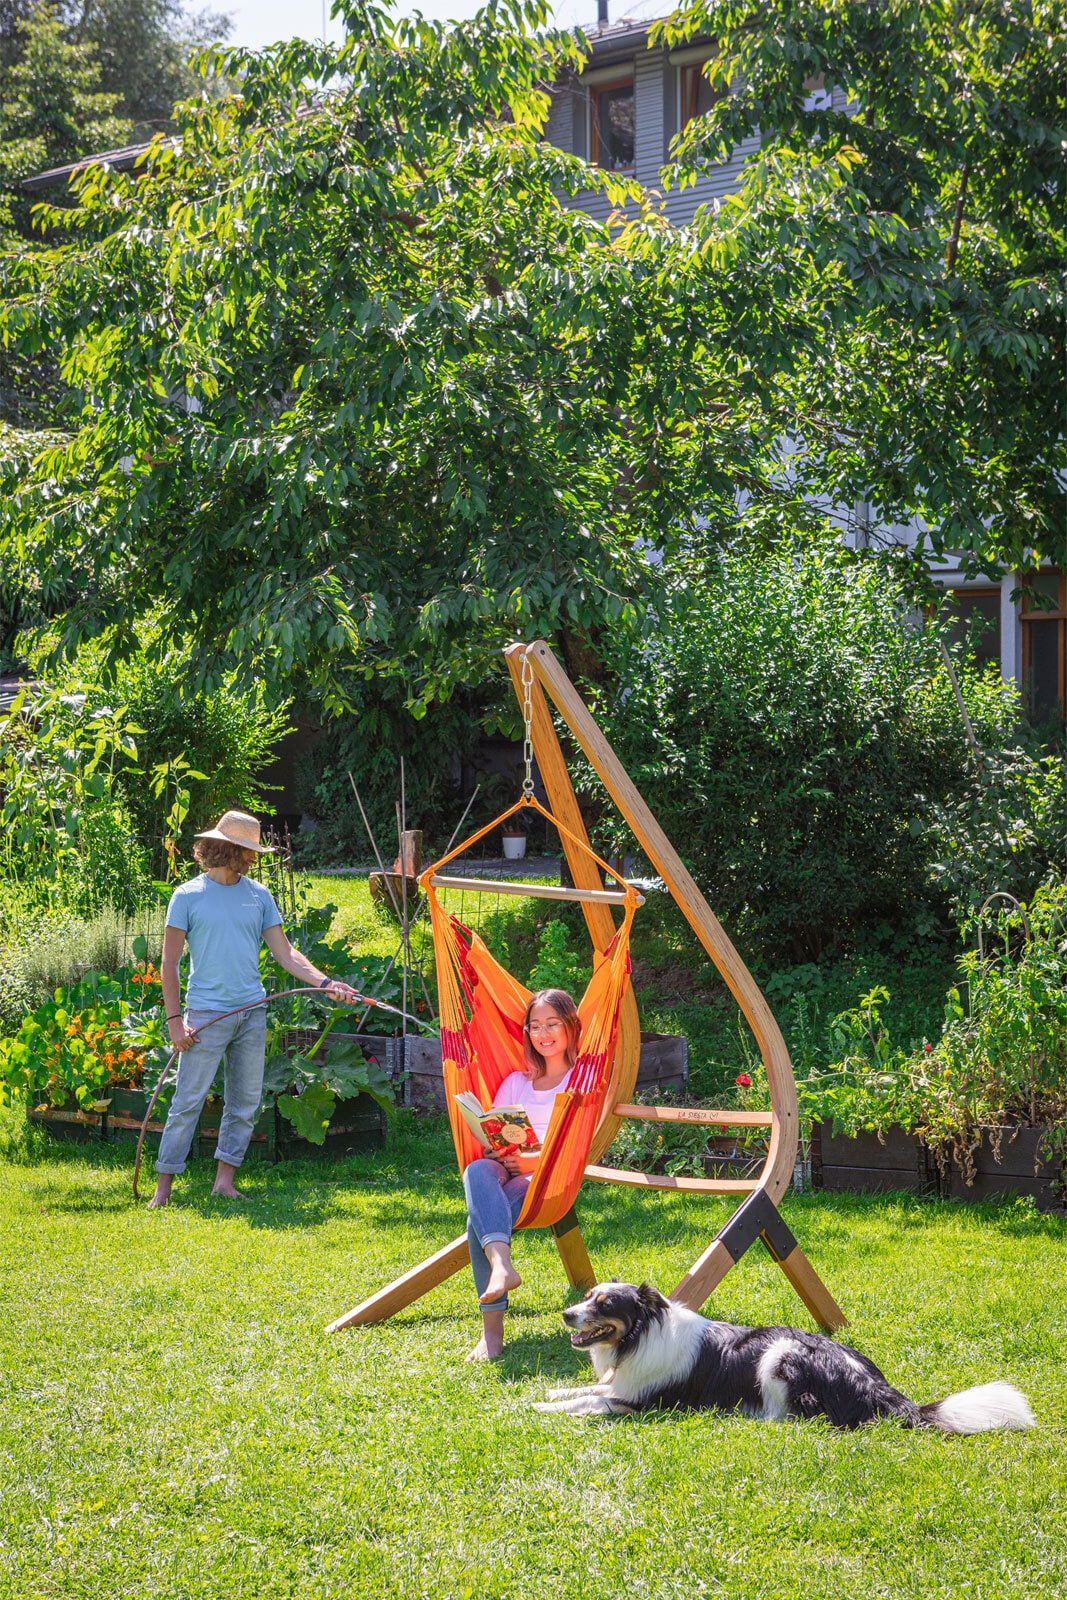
pixel 757 1217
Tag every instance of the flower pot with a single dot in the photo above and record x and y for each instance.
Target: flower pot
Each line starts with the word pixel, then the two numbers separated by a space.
pixel 514 846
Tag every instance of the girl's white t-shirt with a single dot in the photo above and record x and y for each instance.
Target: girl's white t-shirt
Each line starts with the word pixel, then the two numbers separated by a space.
pixel 518 1090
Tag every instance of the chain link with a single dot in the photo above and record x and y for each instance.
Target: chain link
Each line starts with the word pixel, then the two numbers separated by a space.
pixel 527 716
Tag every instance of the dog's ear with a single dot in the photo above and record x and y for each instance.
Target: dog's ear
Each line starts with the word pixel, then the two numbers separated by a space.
pixel 651 1298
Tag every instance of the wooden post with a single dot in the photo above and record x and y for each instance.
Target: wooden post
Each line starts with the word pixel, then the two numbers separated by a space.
pixel 573 1254
pixel 412 1286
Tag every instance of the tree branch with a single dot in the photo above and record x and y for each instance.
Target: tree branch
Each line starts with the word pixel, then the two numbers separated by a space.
pixel 952 249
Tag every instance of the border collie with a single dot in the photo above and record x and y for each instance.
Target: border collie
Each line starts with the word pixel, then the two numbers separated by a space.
pixel 650 1353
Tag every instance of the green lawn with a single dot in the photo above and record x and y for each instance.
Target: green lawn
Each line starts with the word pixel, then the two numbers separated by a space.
pixel 175 1423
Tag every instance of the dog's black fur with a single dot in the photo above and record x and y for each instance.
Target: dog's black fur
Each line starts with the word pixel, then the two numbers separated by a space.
pixel 649 1352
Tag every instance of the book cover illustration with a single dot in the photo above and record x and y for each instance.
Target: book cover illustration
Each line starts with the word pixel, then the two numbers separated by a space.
pixel 507 1130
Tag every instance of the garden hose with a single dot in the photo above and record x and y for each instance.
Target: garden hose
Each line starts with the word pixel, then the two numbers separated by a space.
pixel 284 994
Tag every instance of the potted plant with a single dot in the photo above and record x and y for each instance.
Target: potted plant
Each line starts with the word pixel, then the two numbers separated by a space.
pixel 514 837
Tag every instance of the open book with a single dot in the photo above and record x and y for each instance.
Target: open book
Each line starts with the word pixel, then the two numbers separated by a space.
pixel 505 1129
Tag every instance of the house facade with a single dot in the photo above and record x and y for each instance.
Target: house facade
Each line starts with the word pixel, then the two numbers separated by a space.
pixel 621 113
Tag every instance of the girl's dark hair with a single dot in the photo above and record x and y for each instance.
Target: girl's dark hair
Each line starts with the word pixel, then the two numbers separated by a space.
pixel 567 1011
pixel 220 853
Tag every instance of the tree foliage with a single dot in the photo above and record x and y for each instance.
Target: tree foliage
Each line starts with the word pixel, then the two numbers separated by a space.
pixel 924 182
pixel 143 48
pixel 795 730
pixel 356 386
pixel 53 108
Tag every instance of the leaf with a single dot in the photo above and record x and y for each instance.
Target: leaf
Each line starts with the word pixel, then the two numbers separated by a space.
pixel 309 1112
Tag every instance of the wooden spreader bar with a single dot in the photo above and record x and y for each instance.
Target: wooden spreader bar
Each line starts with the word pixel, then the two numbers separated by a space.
pixel 539 891
pixel 656 1180
pixel 716 1119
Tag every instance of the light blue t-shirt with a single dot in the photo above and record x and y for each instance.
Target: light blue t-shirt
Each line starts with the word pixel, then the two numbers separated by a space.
pixel 224 926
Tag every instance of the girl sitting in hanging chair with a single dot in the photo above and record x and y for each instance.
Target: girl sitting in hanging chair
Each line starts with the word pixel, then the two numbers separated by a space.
pixel 495 1186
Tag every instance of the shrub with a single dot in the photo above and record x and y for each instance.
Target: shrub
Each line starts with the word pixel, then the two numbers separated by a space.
pixel 42 951
pixel 68 838
pixel 791 726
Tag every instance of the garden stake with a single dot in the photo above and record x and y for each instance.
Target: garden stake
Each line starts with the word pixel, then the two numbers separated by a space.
pixel 284 994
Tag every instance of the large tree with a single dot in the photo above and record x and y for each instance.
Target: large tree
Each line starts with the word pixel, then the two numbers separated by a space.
pixel 143 48
pixel 913 150
pixel 358 389
pixel 359 396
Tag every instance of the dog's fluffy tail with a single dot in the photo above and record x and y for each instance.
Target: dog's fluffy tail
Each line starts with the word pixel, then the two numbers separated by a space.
pixel 990 1405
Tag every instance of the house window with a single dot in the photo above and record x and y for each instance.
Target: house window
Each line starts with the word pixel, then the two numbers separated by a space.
pixel 696 94
pixel 612 122
pixel 973 617
pixel 1044 625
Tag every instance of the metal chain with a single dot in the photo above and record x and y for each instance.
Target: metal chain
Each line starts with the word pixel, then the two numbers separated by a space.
pixel 527 715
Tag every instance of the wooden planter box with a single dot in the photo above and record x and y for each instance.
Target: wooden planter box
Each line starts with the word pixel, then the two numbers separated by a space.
pixel 664 1064
pixel 70 1126
pixel 1018 1171
pixel 844 1164
pixel 126 1112
pixel 356 1124
pixel 904 1161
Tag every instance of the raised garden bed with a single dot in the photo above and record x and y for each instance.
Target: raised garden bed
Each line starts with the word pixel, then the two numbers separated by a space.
pixel 356 1124
pixel 863 1162
pixel 664 1064
pixel 841 1162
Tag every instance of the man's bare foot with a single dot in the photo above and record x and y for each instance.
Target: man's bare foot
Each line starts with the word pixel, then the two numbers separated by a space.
pixel 501 1280
pixel 229 1193
pixel 162 1194
pixel 158 1201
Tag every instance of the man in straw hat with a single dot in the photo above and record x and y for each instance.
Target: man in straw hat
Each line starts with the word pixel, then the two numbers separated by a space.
pixel 225 916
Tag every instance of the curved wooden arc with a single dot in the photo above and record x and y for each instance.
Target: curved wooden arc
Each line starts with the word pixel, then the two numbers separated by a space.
pixel 785 1129
pixel 598 918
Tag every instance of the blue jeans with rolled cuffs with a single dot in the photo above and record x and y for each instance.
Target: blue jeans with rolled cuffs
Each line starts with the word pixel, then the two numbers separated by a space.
pixel 243 1041
pixel 493 1204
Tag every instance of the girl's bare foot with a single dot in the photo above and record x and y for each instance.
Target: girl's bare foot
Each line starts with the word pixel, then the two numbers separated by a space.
pixel 503 1279
pixel 491 1343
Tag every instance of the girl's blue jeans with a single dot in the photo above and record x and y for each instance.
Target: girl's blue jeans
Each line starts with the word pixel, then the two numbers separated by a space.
pixel 493 1204
pixel 243 1040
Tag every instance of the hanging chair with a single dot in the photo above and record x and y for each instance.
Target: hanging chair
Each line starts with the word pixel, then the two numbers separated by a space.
pixel 482 1009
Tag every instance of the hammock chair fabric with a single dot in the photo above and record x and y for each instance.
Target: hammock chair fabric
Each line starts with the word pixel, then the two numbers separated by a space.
pixel 482 1008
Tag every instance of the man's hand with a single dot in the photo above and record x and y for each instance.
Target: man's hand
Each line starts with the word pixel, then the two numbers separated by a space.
pixel 181 1037
pixel 341 993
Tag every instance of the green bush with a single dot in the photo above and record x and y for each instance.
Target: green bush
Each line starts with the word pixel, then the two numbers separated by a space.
pixel 791 727
pixel 210 745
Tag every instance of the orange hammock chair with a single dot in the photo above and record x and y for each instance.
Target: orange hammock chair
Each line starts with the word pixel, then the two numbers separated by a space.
pixel 482 1009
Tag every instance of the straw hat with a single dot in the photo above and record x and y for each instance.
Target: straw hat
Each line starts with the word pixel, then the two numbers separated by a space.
pixel 237 827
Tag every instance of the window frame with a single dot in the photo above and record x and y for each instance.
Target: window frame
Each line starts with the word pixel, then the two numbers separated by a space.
pixel 1029 613
pixel 696 68
pixel 623 80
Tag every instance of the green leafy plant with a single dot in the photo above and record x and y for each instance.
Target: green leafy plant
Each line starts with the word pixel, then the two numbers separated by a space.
pixel 307 1087
pixel 1001 1058
pixel 82 1041
pixel 558 966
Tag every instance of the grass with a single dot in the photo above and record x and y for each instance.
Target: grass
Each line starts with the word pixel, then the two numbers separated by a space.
pixel 175 1424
